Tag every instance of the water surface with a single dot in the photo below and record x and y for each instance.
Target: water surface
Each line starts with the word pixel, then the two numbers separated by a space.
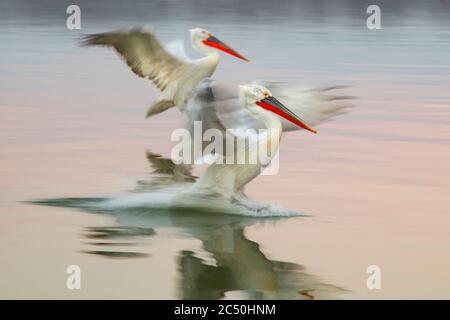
pixel 375 182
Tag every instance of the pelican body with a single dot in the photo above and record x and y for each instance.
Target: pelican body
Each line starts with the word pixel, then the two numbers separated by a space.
pixel 175 76
pixel 232 109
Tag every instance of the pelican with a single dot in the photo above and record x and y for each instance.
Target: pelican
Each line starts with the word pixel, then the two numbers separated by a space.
pixel 230 109
pixel 174 75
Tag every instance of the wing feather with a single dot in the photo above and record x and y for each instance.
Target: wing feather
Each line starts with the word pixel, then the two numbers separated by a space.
pixel 143 53
pixel 217 106
pixel 314 104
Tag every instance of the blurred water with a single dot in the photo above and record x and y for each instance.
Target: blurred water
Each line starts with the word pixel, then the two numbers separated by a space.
pixel 376 181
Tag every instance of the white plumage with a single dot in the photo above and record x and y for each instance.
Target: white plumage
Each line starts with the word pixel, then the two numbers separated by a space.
pixel 173 74
pixel 233 109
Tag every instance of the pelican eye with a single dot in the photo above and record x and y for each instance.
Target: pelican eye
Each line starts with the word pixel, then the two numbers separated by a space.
pixel 266 94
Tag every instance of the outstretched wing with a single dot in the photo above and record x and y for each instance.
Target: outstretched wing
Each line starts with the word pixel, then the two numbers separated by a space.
pixel 143 53
pixel 216 107
pixel 165 66
pixel 312 103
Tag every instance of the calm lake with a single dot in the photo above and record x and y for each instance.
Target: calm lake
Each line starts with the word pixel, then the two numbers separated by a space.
pixel 375 183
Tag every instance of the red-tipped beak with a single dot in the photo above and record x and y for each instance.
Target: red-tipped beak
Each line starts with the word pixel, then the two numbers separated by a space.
pixel 216 43
pixel 272 104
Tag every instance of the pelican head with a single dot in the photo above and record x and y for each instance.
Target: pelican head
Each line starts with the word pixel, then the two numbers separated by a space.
pixel 206 43
pixel 257 95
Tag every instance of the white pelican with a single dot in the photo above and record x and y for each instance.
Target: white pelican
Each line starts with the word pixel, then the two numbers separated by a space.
pixel 232 108
pixel 174 75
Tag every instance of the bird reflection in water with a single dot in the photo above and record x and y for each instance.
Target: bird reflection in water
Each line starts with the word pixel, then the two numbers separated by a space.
pixel 233 266
pixel 115 237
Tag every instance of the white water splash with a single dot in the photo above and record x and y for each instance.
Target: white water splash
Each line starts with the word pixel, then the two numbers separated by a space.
pixel 182 198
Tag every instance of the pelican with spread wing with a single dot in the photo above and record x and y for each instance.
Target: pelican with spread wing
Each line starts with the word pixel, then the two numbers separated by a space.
pixel 172 74
pixel 252 113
